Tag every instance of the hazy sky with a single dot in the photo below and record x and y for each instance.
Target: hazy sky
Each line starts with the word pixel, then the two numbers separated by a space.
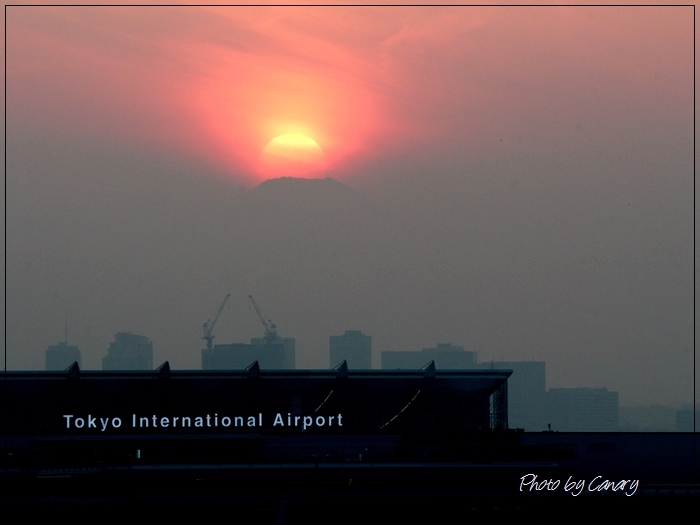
pixel 522 176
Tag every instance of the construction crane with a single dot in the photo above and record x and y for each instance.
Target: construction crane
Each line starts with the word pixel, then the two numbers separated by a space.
pixel 209 325
pixel 270 328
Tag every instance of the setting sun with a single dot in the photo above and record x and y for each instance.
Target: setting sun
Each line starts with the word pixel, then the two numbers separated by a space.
pixel 292 155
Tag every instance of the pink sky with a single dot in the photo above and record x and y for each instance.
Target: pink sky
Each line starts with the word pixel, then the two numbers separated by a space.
pixel 365 83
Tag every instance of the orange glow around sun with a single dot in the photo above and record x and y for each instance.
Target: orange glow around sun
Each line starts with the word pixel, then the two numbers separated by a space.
pixel 292 155
pixel 276 123
pixel 294 113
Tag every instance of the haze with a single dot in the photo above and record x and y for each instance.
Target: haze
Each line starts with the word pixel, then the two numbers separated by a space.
pixel 518 181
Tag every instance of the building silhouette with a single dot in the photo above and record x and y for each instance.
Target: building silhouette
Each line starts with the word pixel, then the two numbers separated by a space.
pixel 654 418
pixel 445 355
pixel 530 405
pixel 583 409
pixel 287 359
pixel 61 356
pixel 527 394
pixel 353 347
pixel 276 355
pixel 129 352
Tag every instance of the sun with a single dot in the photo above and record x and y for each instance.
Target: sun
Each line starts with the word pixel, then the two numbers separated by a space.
pixel 292 155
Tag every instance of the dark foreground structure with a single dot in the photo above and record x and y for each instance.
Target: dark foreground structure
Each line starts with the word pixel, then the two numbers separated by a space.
pixel 320 446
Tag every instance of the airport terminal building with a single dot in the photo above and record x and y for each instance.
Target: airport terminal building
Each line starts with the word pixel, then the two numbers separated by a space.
pixel 78 405
pixel 289 435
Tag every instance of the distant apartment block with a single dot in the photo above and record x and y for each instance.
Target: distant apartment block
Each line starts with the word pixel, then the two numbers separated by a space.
pixel 61 356
pixel 277 355
pixel 129 352
pixel 583 409
pixel 286 361
pixel 445 355
pixel 353 347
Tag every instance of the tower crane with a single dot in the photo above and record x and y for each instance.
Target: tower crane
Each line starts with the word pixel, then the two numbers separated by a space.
pixel 270 328
pixel 209 325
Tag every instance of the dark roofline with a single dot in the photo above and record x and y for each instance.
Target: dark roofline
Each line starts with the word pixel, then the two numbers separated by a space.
pixel 263 374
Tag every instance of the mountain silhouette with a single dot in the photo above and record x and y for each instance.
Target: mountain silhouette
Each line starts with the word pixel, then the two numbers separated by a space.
pixel 306 226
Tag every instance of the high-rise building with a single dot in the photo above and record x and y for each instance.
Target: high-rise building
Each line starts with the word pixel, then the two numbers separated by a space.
pixel 61 356
pixel 353 347
pixel 277 355
pixel 286 359
pixel 129 352
pixel 583 409
pixel 445 355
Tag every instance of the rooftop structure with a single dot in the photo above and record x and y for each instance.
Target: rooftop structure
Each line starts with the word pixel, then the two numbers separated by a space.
pixel 527 394
pixel 338 401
